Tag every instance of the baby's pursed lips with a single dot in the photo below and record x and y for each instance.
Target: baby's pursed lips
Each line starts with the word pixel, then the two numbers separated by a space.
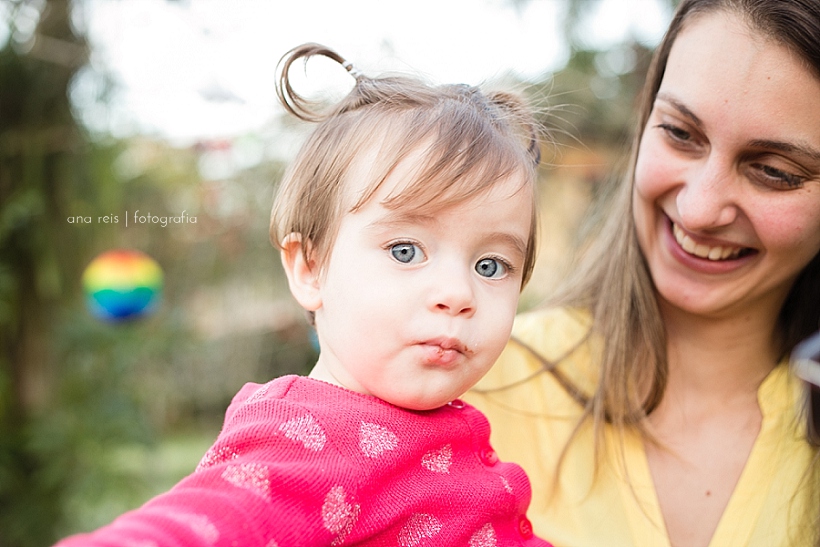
pixel 447 343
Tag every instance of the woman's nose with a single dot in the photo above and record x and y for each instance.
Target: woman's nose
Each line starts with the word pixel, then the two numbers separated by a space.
pixel 707 199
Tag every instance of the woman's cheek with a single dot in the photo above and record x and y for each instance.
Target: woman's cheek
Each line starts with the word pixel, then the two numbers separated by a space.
pixel 653 170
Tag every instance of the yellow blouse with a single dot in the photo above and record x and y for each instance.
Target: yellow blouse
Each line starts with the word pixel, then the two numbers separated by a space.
pixel 533 417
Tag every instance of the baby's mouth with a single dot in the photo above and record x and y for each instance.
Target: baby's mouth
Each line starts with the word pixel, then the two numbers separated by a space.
pixel 705 251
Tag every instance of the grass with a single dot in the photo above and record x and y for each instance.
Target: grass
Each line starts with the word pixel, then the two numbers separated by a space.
pixel 130 475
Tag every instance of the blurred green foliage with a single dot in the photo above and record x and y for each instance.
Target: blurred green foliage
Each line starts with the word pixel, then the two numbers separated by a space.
pixel 85 404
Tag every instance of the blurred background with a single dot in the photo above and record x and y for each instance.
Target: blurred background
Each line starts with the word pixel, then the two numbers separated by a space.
pixel 114 113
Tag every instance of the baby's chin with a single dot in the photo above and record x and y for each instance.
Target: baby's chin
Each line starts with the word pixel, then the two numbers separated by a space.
pixel 420 403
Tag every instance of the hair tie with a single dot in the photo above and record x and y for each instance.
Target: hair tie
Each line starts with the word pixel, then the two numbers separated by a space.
pixel 355 72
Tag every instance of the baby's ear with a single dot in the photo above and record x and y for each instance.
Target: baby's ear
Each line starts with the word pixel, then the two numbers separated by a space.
pixel 302 271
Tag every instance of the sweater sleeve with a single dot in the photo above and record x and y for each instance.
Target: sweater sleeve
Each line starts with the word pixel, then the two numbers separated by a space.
pixel 269 473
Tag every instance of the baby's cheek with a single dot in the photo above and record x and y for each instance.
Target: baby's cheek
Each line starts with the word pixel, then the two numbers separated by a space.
pixel 497 339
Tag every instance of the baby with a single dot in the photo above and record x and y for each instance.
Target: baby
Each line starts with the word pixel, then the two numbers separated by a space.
pixel 406 227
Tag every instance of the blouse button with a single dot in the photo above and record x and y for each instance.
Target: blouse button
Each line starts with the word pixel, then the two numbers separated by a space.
pixel 489 456
pixel 457 404
pixel 524 527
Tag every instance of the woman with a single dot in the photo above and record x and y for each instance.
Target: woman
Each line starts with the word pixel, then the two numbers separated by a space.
pixel 655 407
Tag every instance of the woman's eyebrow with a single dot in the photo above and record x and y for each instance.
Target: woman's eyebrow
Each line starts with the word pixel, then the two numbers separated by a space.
pixel 788 148
pixel 679 106
pixel 781 146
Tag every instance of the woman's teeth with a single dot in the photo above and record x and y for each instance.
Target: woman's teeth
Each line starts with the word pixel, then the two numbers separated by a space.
pixel 703 251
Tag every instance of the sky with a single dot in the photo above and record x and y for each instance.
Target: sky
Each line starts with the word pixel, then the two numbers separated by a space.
pixel 205 69
pixel 193 70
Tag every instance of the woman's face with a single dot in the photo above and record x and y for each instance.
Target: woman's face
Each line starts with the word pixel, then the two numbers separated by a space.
pixel 727 183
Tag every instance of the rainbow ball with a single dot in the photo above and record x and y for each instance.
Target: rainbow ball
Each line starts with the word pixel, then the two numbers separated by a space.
pixel 122 284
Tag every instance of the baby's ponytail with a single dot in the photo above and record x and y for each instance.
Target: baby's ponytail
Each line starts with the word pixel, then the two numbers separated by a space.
pixel 294 103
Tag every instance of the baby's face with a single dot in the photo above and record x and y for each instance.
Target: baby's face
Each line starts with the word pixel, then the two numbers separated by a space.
pixel 416 307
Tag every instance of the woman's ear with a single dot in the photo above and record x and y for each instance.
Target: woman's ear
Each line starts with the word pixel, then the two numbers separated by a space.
pixel 302 272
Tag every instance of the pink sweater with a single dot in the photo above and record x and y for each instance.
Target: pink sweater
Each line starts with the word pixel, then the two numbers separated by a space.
pixel 303 463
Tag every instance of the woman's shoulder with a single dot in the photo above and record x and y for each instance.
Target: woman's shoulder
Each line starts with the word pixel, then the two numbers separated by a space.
pixel 552 331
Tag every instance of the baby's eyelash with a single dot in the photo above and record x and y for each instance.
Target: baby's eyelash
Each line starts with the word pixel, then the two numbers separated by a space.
pixel 394 242
pixel 506 263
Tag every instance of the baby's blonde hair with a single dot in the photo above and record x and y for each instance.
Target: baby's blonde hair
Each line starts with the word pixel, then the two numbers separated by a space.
pixel 472 141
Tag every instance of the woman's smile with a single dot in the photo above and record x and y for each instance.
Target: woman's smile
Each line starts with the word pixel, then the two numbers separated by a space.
pixel 721 225
pixel 704 255
pixel 705 251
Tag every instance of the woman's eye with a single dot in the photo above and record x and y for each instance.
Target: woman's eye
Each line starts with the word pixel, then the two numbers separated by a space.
pixel 676 133
pixel 407 253
pixel 777 178
pixel 492 268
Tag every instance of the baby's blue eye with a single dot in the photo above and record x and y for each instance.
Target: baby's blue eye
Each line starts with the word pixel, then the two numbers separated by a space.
pixel 491 268
pixel 406 253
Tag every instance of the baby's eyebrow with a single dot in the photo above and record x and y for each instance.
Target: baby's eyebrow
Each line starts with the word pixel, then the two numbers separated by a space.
pixel 414 218
pixel 402 219
pixel 506 238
